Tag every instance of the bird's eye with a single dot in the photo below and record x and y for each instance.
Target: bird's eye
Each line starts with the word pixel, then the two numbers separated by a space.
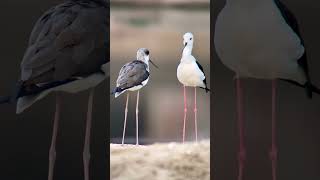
pixel 190 38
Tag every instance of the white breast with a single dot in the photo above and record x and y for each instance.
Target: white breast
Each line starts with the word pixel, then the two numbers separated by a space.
pixel 258 43
pixel 139 86
pixel 189 74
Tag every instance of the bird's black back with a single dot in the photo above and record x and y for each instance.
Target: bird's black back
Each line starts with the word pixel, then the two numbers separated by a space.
pixel 293 23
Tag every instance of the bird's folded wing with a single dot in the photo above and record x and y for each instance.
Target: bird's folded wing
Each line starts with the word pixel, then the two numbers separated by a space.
pixel 62 40
pixel 72 87
pixel 132 74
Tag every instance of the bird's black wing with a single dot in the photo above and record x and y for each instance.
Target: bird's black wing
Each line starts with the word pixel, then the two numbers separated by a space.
pixel 131 74
pixel 293 23
pixel 204 80
pixel 69 40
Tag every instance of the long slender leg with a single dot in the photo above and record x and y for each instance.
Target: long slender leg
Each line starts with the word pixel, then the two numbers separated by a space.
pixel 137 119
pixel 240 114
pixel 273 151
pixel 185 114
pixel 195 114
pixel 86 149
pixel 52 151
pixel 125 119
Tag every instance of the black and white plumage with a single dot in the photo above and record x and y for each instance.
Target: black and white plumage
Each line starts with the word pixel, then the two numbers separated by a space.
pixel 67 43
pixel 67 51
pixel 190 73
pixel 135 74
pixel 132 77
pixel 261 39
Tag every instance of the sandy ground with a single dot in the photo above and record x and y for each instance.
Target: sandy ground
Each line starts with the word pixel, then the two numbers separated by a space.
pixel 166 161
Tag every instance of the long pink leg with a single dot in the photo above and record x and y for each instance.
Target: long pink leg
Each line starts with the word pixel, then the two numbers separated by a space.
pixel 195 114
pixel 137 119
pixel 125 119
pixel 185 114
pixel 86 149
pixel 240 114
pixel 52 151
pixel 273 151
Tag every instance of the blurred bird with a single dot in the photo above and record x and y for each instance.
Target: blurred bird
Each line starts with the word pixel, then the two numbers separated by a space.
pixel 132 77
pixel 190 73
pixel 261 39
pixel 67 51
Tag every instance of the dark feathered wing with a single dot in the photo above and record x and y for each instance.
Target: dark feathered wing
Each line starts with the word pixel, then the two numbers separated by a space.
pixel 204 81
pixel 293 23
pixel 131 74
pixel 69 40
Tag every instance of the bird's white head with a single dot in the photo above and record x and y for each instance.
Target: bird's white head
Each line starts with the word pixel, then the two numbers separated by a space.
pixel 143 54
pixel 188 39
pixel 188 43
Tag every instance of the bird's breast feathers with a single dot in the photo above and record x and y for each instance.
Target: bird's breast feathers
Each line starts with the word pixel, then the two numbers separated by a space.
pixel 258 40
pixel 189 74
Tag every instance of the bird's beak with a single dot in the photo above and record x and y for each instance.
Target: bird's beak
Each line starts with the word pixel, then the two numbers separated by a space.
pixel 185 44
pixel 154 64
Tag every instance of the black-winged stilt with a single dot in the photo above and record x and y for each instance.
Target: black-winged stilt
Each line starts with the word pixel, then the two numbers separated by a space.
pixel 261 39
pixel 67 51
pixel 132 77
pixel 190 73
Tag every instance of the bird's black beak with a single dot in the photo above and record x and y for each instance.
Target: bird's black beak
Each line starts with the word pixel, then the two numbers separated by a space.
pixel 185 44
pixel 154 64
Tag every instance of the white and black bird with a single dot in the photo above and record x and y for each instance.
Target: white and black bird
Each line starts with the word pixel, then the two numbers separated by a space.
pixel 132 77
pixel 190 73
pixel 67 51
pixel 261 39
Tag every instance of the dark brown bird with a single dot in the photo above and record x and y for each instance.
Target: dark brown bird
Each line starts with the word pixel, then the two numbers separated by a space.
pixel 67 51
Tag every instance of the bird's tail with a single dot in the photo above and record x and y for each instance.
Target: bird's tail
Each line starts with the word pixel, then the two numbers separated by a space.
pixel 14 95
pixel 5 99
pixel 206 88
pixel 309 87
pixel 117 92
pixel 312 89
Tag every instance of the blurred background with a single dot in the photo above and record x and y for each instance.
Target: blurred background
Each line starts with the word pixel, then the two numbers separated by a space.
pixel 159 26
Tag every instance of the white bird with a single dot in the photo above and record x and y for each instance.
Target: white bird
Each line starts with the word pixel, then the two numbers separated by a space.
pixel 132 77
pixel 190 73
pixel 261 39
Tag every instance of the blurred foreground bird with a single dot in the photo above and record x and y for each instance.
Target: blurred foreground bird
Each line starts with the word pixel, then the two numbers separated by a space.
pixel 132 77
pixel 67 51
pixel 190 73
pixel 261 39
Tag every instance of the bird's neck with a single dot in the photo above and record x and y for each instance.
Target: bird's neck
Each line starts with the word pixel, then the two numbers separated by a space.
pixel 145 60
pixel 147 63
pixel 187 51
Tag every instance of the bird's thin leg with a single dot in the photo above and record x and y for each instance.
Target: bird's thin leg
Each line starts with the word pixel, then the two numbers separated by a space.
pixel 86 149
pixel 137 119
pixel 125 119
pixel 52 151
pixel 273 151
pixel 240 114
pixel 195 114
pixel 185 113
